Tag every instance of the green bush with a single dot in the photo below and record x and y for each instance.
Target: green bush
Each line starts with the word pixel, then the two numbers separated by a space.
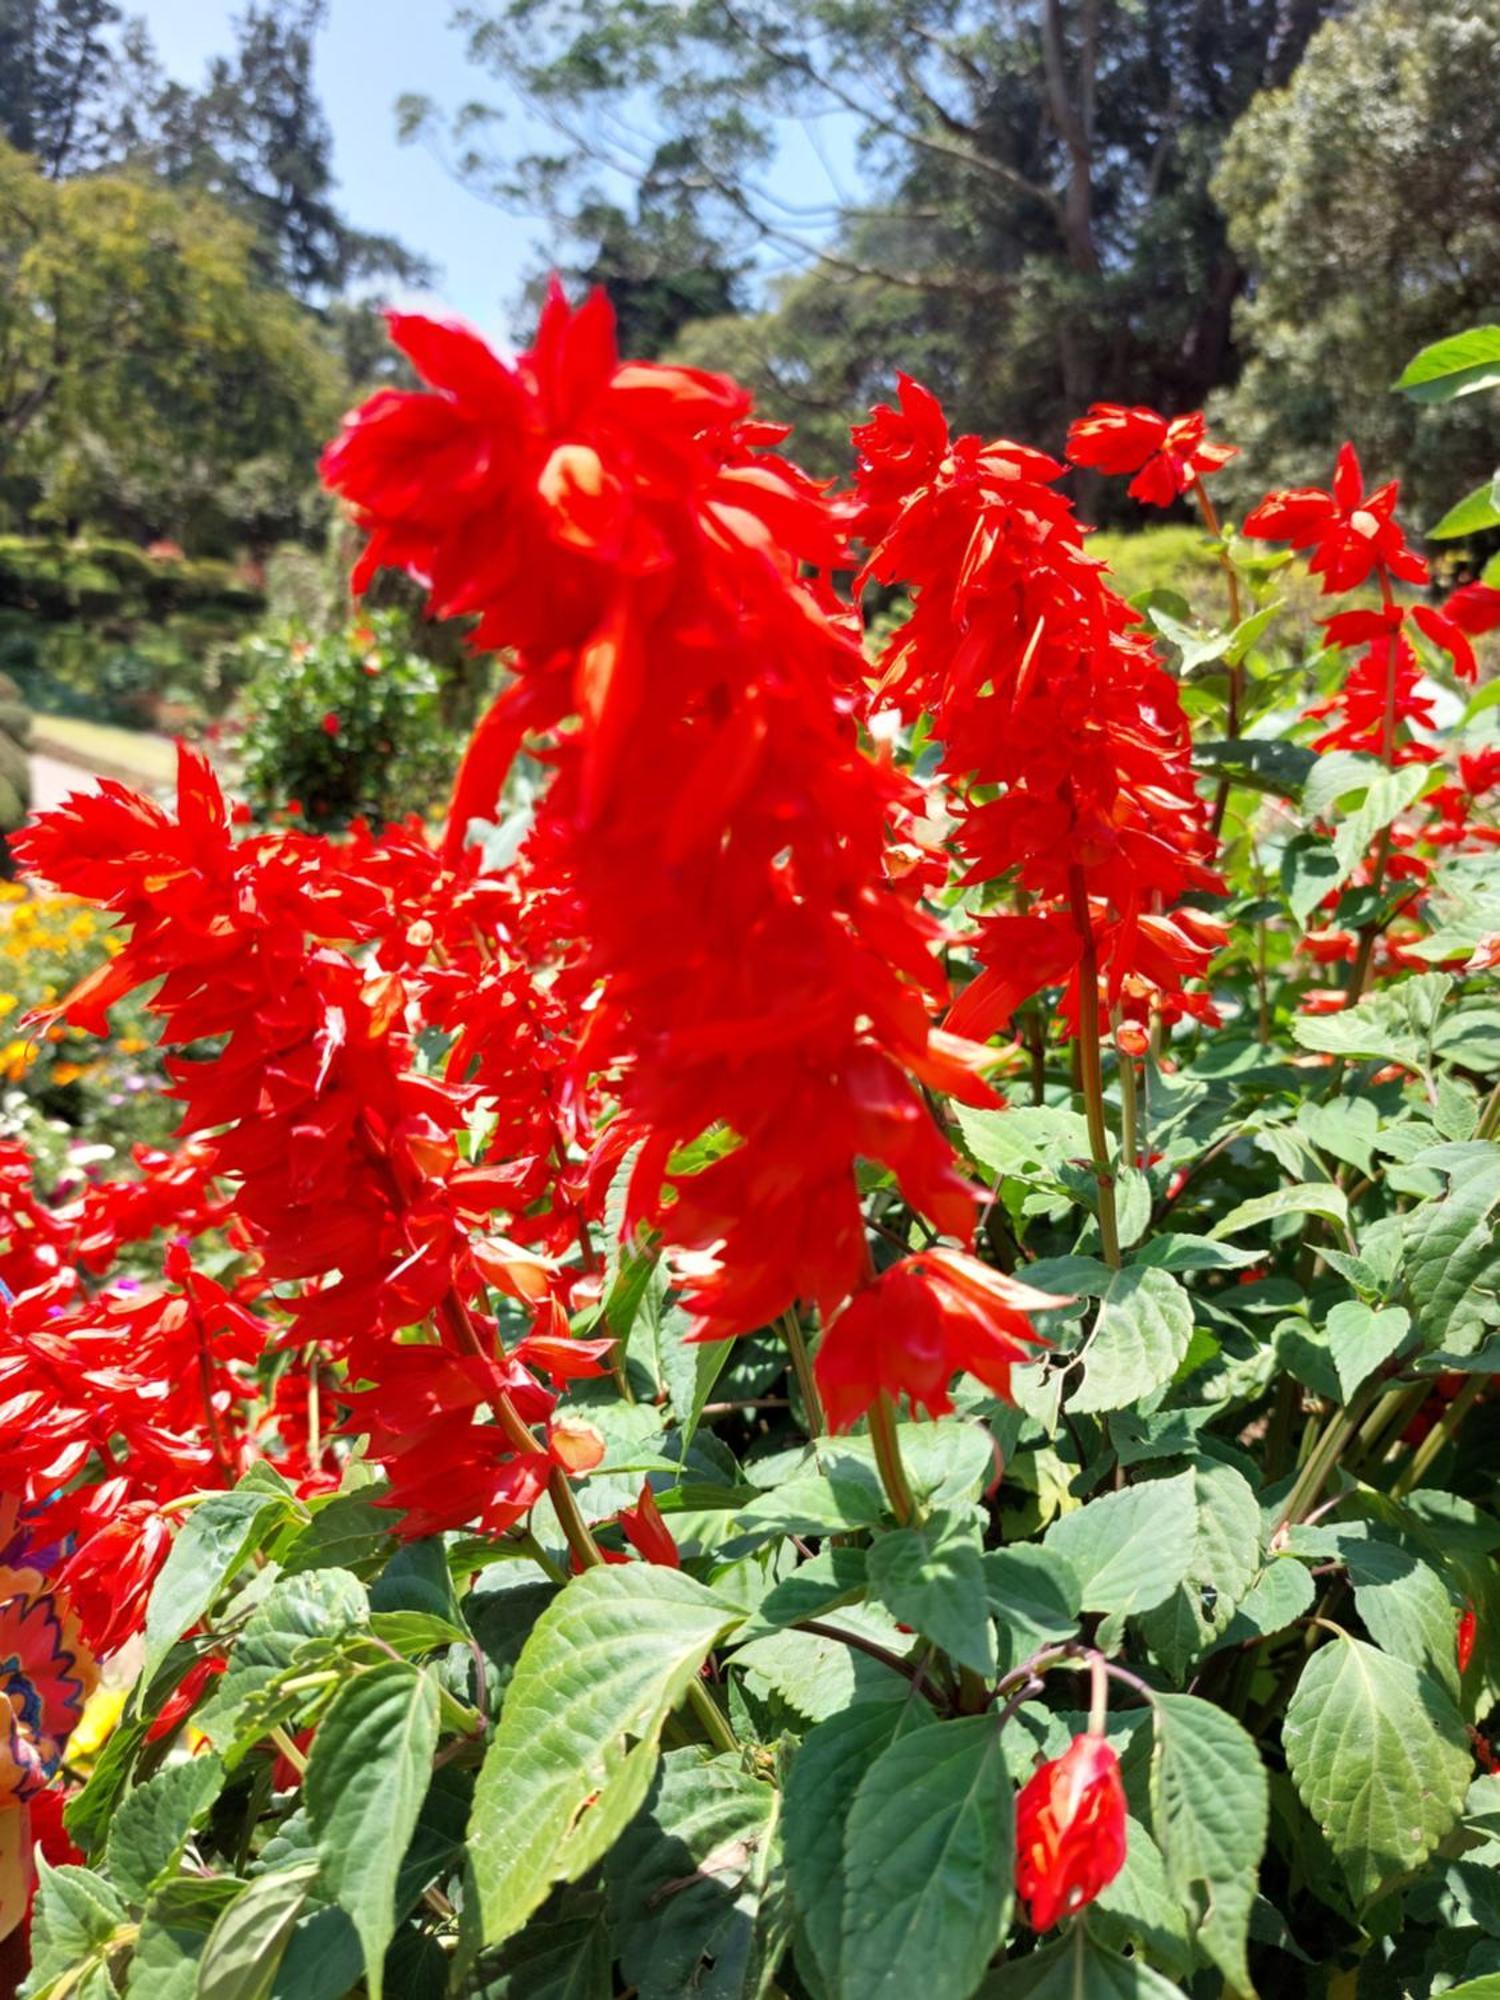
pixel 346 726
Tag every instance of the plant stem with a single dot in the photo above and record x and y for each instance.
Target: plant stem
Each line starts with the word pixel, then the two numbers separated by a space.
pixel 1441 1434
pixel 1236 618
pixel 1090 1073
pixel 812 1402
pixel 1324 1455
pixel 1489 1118
pixel 883 1435
pixel 1368 932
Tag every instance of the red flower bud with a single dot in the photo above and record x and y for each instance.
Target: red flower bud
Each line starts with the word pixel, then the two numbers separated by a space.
pixel 574 1444
pixel 647 1532
pixel 1070 1831
pixel 1468 1627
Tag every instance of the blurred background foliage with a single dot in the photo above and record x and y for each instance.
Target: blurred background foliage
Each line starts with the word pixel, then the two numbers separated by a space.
pixel 1262 205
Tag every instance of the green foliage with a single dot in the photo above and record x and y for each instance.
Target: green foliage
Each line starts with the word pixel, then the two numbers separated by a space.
pixel 348 726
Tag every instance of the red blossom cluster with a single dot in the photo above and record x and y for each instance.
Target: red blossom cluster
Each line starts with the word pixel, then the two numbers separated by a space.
pixel 1061 731
pixel 1385 701
pixel 713 834
pixel 1169 456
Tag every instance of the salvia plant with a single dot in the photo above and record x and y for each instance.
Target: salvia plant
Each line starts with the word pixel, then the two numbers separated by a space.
pixel 848 1354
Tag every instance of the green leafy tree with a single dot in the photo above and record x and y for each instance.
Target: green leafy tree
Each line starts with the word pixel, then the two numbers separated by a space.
pixel 1039 173
pixel 1363 199
pixel 150 380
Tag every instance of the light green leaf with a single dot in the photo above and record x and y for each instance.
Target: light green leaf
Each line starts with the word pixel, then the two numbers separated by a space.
pixel 1456 366
pixel 1140 1908
pixel 1452 1256
pixel 1035 1595
pixel 321 1604
pixel 219 1537
pixel 1394 1025
pixel 1307 1198
pixel 1210 1808
pixel 1225 1560
pixel 1346 1127
pixel 688 1370
pixel 932 1578
pixel 1131 1549
pixel 152 1824
pixel 245 1946
pixel 1280 1595
pixel 1380 1758
pixel 1473 515
pixel 1360 1340
pixel 576 1745
pixel 1024 1142
pixel 367 1775
pixel 76 1915
pixel 928 1856
pixel 1139 1340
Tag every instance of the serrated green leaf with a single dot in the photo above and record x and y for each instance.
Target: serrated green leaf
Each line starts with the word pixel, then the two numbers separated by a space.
pixel 1309 871
pixel 367 1774
pixel 687 1880
pixel 932 1578
pixel 1078 1967
pixel 1225 1560
pixel 350 1532
pixel 1452 1266
pixel 151 1826
pixel 1307 1198
pixel 297 1611
pixel 76 1915
pixel 1282 1593
pixel 569 1958
pixel 1024 1142
pixel 1139 1907
pixel 218 1538
pixel 1035 1595
pixel 245 1946
pixel 1360 1340
pixel 1380 1758
pixel 1210 1809
pixel 1129 1550
pixel 1346 1127
pixel 929 1859
pixel 1396 1024
pixel 826 1772
pixel 1139 1340
pixel 576 1745
pixel 1402 1601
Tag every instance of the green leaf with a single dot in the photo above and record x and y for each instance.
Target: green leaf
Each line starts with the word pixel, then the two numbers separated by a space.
pixel 367 1774
pixel 1139 1340
pixel 1025 1142
pixel 826 1773
pixel 1360 1340
pixel 1346 1127
pixel 218 1539
pixel 1402 1601
pixel 687 1369
pixel 1263 764
pixel 1456 366
pixel 245 1947
pixel 151 1826
pixel 322 1604
pixel 1078 1967
pixel 928 1856
pixel 1198 649
pixel 1140 1908
pixel 932 1578
pixel 1280 1595
pixel 1210 1808
pixel 835 1576
pixel 1225 1560
pixel 1131 1549
pixel 1307 1198
pixel 1035 1595
pixel 1394 1025
pixel 688 1879
pixel 1309 871
pixel 1452 1258
pixel 175 1927
pixel 1387 798
pixel 351 1531
pixel 1380 1758
pixel 75 1917
pixel 567 1959
pixel 573 1756
pixel 1472 515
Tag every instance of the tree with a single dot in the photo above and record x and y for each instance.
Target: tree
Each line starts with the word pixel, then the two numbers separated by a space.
pixel 1039 171
pixel 56 60
pixel 1363 198
pixel 150 379
pixel 256 137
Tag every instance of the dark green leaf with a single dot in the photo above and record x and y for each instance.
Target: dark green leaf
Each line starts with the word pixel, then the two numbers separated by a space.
pixel 932 1578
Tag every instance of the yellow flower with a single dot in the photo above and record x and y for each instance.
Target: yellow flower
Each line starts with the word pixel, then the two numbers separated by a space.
pixel 9 1002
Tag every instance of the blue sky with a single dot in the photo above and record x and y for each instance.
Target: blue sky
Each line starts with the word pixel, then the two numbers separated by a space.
pixel 369 53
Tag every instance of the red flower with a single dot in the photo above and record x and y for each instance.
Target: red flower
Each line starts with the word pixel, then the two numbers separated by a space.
pixel 1351 533
pixel 1070 1831
pixel 1468 1628
pixel 1168 456
pixel 180 1704
pixel 1475 608
pixel 921 1322
pixel 330 724
pixel 647 1532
